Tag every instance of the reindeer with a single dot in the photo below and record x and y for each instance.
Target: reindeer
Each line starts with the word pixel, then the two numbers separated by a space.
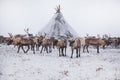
pixel 114 41
pixel 29 36
pixel 61 44
pixel 20 41
pixel 44 45
pixel 75 44
pixel 95 42
pixel 38 41
pixel 26 42
pixel 47 44
pixel 14 39
pixel 50 43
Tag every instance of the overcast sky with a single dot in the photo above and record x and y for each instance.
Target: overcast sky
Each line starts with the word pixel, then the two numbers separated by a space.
pixel 85 16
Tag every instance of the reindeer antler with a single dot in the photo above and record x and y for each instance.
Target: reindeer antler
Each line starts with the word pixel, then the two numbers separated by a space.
pixel 27 30
pixel 10 34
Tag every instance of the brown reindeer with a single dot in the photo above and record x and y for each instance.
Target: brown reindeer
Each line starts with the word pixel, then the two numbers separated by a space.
pixel 20 42
pixel 27 42
pixel 75 44
pixel 61 44
pixel 115 41
pixel 2 38
pixel 47 44
pixel 95 42
pixel 38 41
pixel 50 43
pixel 44 45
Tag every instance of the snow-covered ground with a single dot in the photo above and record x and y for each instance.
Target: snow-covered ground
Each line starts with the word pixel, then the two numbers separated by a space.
pixel 92 66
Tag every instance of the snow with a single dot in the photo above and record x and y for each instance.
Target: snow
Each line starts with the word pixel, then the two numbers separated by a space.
pixel 49 66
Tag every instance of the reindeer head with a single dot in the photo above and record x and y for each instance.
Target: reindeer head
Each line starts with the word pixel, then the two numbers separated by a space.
pixel 55 42
pixel 10 39
pixel 71 42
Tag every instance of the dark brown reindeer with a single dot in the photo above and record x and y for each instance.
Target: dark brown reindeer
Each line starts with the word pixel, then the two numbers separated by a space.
pixel 75 44
pixel 60 44
pixel 95 42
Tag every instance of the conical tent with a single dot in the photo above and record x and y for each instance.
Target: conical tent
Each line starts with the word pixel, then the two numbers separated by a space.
pixel 58 27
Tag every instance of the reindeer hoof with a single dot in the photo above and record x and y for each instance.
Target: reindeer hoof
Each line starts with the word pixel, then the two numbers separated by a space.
pixel 59 55
pixel 25 52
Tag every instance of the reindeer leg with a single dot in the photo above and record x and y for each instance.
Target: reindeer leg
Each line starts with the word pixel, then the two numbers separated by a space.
pixel 23 49
pixel 103 46
pixel 84 48
pixel 65 51
pixel 27 49
pixel 41 49
pixel 59 52
pixel 77 53
pixel 36 47
pixel 72 53
pixel 53 47
pixel 18 48
pixel 87 48
pixel 62 52
pixel 97 48
pixel 50 50
pixel 33 49
pixel 46 47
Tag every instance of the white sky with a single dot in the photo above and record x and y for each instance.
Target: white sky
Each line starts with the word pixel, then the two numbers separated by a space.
pixel 85 16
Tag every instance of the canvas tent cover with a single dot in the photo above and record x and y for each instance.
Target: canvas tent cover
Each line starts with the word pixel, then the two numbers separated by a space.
pixel 58 27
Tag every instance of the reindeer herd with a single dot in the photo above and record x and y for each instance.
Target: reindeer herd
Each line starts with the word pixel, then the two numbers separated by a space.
pixel 48 44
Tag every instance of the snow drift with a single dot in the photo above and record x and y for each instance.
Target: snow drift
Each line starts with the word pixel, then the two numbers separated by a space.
pixel 49 66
